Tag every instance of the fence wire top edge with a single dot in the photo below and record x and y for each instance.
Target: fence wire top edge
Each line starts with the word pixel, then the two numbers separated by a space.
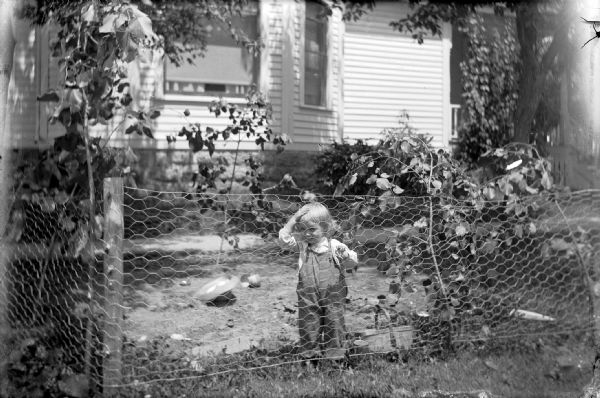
pixel 553 195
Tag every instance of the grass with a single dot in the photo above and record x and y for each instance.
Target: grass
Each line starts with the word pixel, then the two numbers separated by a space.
pixel 516 370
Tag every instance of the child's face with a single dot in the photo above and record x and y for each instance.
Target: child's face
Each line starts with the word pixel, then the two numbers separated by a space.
pixel 310 232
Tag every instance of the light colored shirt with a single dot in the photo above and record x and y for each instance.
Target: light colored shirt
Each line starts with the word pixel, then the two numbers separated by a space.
pixel 339 250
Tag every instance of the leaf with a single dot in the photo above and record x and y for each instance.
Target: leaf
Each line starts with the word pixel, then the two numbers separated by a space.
pixel 122 86
pixel 154 114
pixel 61 197
pixel 371 179
pixel 397 190
pixel 147 131
pixel 131 129
pixel 353 178
pixel 14 229
pixel 546 181
pixel 116 20
pixel 383 183
pixel 78 241
pixel 532 228
pixel 196 142
pixel 489 246
pixel 339 189
pixel 50 96
pixel 210 145
pixel 530 190
pixel 67 224
pixel 519 230
pixel 47 204
pixel 560 244
pixel 436 184
pixel 141 28
pixel 88 14
pixel 422 223
pixel 461 230
pixel 514 164
pixel 130 156
pixel 75 385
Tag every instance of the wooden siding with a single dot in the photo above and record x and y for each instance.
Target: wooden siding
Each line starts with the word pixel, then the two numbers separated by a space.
pixel 314 126
pixel 173 105
pixel 387 73
pixel 21 105
pixel 373 75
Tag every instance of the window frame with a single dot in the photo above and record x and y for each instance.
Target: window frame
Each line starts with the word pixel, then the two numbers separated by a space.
pixel 210 95
pixel 327 86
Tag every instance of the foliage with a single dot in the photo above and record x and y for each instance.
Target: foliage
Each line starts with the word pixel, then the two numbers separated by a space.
pixel 405 164
pixel 399 164
pixel 541 34
pixel 93 46
pixel 332 165
pixel 183 26
pixel 249 122
pixel 41 367
pixel 489 84
pixel 58 191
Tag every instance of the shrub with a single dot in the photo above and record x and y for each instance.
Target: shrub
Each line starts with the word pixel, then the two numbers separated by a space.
pixel 333 162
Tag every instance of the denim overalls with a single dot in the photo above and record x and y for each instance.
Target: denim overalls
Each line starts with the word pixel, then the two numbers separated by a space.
pixel 321 294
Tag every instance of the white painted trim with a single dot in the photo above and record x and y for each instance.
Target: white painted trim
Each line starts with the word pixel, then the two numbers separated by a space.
pixel 446 108
pixel 288 16
pixel 301 56
pixel 264 11
pixel 340 71
pixel 42 76
pixel 329 72
pixel 198 99
pixel 159 84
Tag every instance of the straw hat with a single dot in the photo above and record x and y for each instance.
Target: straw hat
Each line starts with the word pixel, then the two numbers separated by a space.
pixel 217 287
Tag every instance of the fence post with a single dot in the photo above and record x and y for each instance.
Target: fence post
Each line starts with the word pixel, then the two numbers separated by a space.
pixel 113 288
pixel 7 45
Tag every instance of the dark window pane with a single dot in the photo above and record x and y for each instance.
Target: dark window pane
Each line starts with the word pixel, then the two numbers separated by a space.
pixel 315 55
pixel 226 69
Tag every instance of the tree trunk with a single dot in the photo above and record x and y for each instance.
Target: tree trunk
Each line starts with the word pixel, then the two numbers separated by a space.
pixel 536 66
pixel 529 93
pixel 7 45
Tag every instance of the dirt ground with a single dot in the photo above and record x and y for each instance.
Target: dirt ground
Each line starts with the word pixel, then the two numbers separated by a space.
pixel 264 316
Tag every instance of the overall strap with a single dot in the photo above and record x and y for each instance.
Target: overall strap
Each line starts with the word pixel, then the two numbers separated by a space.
pixel 332 255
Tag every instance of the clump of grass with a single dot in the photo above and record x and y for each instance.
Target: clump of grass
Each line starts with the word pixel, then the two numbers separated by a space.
pixel 523 368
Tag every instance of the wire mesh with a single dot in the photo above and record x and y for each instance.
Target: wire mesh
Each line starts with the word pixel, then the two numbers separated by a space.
pixel 208 288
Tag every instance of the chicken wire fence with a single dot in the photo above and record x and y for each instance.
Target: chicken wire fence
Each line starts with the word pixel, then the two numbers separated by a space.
pixel 200 284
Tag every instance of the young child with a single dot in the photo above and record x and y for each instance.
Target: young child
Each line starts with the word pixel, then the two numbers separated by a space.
pixel 321 280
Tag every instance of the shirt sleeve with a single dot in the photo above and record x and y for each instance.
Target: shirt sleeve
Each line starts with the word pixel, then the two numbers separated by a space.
pixel 342 251
pixel 286 239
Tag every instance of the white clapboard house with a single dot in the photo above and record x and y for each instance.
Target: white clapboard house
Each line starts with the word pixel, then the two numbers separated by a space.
pixel 326 79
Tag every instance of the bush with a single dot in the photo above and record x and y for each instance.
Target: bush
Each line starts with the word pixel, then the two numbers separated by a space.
pixel 333 162
pixel 489 85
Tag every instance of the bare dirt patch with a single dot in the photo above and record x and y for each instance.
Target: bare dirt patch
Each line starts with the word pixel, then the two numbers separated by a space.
pixel 265 316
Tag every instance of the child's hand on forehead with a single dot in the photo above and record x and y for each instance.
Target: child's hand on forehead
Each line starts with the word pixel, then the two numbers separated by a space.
pixel 301 213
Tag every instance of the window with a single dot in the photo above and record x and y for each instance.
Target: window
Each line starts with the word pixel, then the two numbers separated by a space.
pixel 315 55
pixel 227 68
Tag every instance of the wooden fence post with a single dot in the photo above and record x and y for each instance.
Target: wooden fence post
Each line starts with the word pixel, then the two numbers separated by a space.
pixel 7 45
pixel 113 288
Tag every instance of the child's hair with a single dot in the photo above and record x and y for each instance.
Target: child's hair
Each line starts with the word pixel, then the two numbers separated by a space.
pixel 317 213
